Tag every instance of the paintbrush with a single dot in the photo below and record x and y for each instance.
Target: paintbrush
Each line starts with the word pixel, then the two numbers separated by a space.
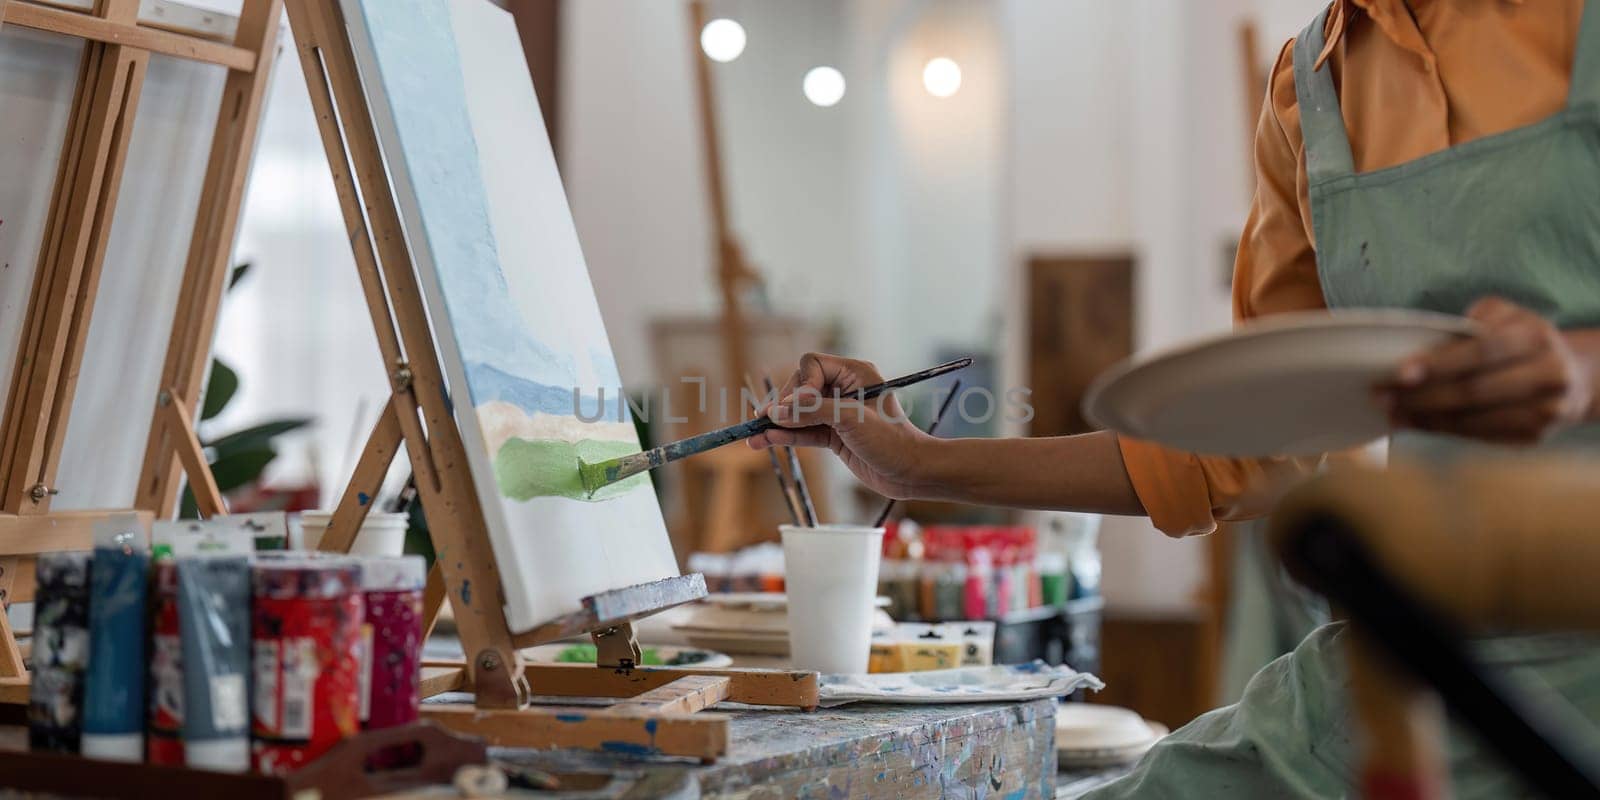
pixel 807 508
pixel 789 498
pixel 933 427
pixel 605 473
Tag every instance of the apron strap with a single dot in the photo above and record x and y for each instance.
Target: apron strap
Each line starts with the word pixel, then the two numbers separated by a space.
pixel 1585 85
pixel 1321 123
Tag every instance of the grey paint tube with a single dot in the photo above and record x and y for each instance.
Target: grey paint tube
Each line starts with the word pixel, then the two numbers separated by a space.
pixel 214 629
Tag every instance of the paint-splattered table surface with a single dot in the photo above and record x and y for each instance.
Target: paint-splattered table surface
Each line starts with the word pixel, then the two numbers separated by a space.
pixel 1003 750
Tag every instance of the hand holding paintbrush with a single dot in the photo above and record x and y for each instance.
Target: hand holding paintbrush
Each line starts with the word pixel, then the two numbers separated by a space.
pixel 596 476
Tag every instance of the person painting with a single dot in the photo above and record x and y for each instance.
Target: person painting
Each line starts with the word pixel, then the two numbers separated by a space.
pixel 1431 154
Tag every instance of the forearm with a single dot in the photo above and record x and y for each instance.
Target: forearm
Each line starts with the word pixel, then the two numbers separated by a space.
pixel 1072 473
pixel 1586 347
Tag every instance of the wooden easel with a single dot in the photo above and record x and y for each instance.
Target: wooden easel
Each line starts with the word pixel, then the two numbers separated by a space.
pixel 111 75
pixel 725 477
pixel 658 715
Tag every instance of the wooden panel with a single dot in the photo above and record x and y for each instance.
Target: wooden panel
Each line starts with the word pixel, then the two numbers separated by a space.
pixel 1160 665
pixel 757 687
pixel 1080 321
pixel 685 695
pixel 703 736
pixel 85 26
pixel 57 531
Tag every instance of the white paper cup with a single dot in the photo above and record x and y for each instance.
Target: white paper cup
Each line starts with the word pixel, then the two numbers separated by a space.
pixel 381 534
pixel 831 576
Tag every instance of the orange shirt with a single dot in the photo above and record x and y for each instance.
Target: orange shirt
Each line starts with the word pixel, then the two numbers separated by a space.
pixel 1411 81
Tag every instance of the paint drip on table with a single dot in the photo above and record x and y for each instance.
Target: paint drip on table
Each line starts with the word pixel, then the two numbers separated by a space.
pixel 306 634
pixel 60 651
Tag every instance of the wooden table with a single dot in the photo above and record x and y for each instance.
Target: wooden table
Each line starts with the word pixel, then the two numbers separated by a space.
pixel 1002 750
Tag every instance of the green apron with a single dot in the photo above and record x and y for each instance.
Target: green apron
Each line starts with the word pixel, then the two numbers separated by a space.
pixel 1517 215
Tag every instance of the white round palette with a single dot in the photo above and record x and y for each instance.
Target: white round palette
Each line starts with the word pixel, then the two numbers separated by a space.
pixel 1097 736
pixel 1287 385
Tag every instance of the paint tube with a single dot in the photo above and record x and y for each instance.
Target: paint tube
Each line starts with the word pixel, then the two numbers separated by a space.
pixel 164 723
pixel 164 720
pixel 306 630
pixel 214 617
pixel 391 652
pixel 114 707
pixel 60 651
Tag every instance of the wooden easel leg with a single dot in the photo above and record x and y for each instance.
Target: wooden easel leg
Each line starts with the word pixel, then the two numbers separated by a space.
pixel 172 413
pixel 365 482
pixel 13 678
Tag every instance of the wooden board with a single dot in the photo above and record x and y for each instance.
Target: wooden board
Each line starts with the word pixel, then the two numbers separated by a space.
pixel 1080 321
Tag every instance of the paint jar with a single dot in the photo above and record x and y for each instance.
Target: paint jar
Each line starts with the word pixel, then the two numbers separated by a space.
pixel 977 643
pixel 214 625
pixel 1053 581
pixel 113 696
pixel 897 580
pixel 60 651
pixel 714 566
pixel 163 726
pixel 382 533
pixel 976 603
pixel 391 651
pixel 831 573
pixel 306 636
pixel 950 592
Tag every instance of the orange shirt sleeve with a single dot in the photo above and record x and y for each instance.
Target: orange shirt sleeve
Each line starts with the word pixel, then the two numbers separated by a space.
pixel 1276 271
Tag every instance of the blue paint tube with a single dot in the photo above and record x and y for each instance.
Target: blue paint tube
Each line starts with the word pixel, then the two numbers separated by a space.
pixel 214 625
pixel 114 707
pixel 60 651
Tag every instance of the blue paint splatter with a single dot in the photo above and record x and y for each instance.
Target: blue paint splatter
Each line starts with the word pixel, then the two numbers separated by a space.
pixel 1016 795
pixel 569 717
pixel 466 592
pixel 650 726
pixel 362 498
pixel 626 747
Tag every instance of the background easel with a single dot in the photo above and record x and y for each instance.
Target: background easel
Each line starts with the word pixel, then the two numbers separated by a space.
pixel 723 499
pixel 110 77
pixel 660 714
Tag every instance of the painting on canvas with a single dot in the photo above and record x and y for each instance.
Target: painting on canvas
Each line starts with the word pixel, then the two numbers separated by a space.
pixel 525 352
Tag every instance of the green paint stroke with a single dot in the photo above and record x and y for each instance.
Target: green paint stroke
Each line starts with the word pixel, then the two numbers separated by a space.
pixel 526 469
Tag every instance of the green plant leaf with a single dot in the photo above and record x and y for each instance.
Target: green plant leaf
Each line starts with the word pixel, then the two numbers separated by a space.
pixel 239 468
pixel 238 273
pixel 256 436
pixel 220 389
pixel 188 508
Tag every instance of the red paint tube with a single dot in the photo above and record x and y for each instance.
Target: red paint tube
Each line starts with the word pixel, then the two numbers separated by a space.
pixel 165 721
pixel 391 639
pixel 306 630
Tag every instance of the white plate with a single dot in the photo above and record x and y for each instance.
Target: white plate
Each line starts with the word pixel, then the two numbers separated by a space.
pixel 1096 735
pixel 1290 384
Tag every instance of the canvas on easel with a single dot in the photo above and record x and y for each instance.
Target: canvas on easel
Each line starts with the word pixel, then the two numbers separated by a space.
pixel 520 336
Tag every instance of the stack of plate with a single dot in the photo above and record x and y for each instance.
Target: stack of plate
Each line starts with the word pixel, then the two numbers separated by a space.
pixel 752 623
pixel 1093 736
